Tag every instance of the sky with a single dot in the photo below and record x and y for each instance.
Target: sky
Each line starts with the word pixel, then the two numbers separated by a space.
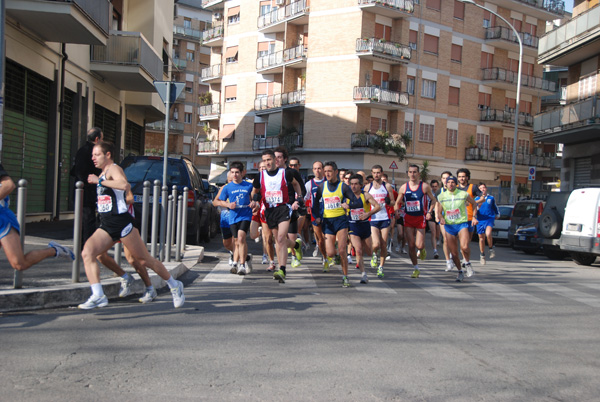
pixel 569 5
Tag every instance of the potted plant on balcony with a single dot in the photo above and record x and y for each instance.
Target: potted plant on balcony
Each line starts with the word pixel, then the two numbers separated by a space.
pixel 386 142
pixel 472 150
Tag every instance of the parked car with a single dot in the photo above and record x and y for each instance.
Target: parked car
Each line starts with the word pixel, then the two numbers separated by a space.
pixel 527 239
pixel 524 213
pixel 202 218
pixel 502 224
pixel 580 234
pixel 550 225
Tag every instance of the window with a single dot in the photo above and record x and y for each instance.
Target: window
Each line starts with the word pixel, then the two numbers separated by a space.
pixel 233 15
pixel 453 96
pixel 483 141
pixel 187 149
pixel 434 4
pixel 189 56
pixel 426 132
pixel 485 100
pixel 408 128
pixel 459 10
pixel 489 20
pixel 187 118
pixel 189 90
pixel 523 146
pixel 260 130
pixel 265 48
pixel 451 137
pixel 410 85
pixel 383 32
pixel 510 104
pixel 487 59
pixel 175 114
pixel 587 86
pixel 507 144
pixel 412 39
pixel 428 89
pixel 228 132
pixel 262 89
pixel 265 7
pixel 430 43
pixel 231 54
pixel 231 93
pixel 380 78
pixel 525 107
pixel 187 23
pixel 378 124
pixel 456 53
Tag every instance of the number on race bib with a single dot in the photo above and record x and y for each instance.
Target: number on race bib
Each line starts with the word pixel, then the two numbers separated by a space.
pixel 413 206
pixel 453 214
pixel 332 202
pixel 356 213
pixel 104 203
pixel 274 197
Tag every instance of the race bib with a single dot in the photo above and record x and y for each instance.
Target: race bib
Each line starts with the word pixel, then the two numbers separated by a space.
pixel 380 198
pixel 333 202
pixel 104 203
pixel 453 214
pixel 274 197
pixel 356 213
pixel 413 206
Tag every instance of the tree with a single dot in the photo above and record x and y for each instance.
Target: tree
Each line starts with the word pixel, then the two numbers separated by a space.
pixel 425 171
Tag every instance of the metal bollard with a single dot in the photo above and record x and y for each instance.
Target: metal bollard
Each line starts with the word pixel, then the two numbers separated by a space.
pixel 169 231
pixel 21 209
pixel 184 219
pixel 179 228
pixel 163 221
pixel 77 235
pixel 174 213
pixel 145 211
pixel 155 222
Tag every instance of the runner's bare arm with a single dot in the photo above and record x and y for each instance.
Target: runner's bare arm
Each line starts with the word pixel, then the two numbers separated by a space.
pixel 115 178
pixel 8 185
pixel 401 191
pixel 375 207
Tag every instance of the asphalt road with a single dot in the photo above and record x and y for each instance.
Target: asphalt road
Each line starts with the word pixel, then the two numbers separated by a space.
pixel 522 328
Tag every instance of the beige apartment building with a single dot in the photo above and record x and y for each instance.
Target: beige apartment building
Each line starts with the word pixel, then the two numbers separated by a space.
pixel 323 77
pixel 71 65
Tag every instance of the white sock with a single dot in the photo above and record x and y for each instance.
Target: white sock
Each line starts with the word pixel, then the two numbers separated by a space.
pixel 171 282
pixel 417 267
pixel 435 251
pixel 125 276
pixel 149 288
pixel 97 290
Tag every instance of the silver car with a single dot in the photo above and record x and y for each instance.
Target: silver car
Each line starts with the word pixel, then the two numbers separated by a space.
pixel 502 223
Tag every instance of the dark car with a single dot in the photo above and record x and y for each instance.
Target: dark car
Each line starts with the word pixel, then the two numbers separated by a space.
pixel 527 239
pixel 524 213
pixel 203 217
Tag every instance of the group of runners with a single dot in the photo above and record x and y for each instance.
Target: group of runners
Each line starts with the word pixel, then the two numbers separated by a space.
pixel 350 214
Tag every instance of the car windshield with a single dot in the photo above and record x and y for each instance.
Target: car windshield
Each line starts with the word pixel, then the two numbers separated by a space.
pixel 525 210
pixel 152 169
pixel 504 213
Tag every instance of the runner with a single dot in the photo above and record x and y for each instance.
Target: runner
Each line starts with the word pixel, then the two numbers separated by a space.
pixel 414 195
pixel 449 261
pixel 228 242
pixel 303 210
pixel 361 210
pixel 311 191
pixel 434 227
pixel 383 193
pixel 116 224
pixel 267 236
pixel 453 204
pixel 390 210
pixel 486 215
pixel 400 238
pixel 274 185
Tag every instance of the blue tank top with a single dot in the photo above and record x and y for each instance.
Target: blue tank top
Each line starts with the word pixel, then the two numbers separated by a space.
pixel 415 202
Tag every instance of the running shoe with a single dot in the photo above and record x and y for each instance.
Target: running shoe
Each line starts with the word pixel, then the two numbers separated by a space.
pixel 449 266
pixel 469 269
pixel 257 239
pixel 435 255
pixel 231 262
pixel 234 269
pixel 492 253
pixel 350 259
pixel 248 263
pixel 126 286
pixel 460 277
pixel 298 250
pixel 242 271
pixel 178 296
pixel 415 273
pixel 93 302
pixel 316 250
pixel 357 266
pixel 279 276
pixel 338 260
pixel 387 257
pixel 326 264
pixel 374 260
pixel 265 259
pixel 380 272
pixel 482 260
pixel 403 250
pixel 295 262
pixel 345 282
pixel 62 251
pixel 423 254
pixel 149 295
pixel 364 279
pixel 271 267
pixel 397 249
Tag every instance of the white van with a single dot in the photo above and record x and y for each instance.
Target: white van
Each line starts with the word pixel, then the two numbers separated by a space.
pixel 580 234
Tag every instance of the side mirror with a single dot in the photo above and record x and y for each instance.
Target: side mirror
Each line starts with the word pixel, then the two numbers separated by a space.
pixel 212 189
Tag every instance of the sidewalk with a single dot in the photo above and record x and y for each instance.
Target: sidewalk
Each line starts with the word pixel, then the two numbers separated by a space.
pixel 48 284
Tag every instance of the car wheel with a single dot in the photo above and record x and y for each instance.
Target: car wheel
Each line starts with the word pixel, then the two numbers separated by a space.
pixel 583 258
pixel 554 254
pixel 549 224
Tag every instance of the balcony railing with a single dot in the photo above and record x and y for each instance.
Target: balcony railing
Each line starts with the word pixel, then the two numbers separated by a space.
pixel 160 126
pixel 406 6
pixel 504 116
pixel 98 12
pixel 500 74
pixel 554 6
pixel 129 48
pixel 281 13
pixel 362 140
pixel 374 45
pixel 180 63
pixel 187 32
pixel 213 33
pixel 574 115
pixel 569 33
pixel 281 57
pixel 211 72
pixel 208 147
pixel 509 35
pixel 479 154
pixel 378 95
pixel 210 110
pixel 280 100
pixel 288 141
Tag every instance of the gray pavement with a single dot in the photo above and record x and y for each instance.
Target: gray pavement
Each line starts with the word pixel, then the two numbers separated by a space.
pixel 49 283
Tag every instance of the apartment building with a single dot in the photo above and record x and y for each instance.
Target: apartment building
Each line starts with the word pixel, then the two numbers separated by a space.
pixel 323 77
pixel 575 45
pixel 71 65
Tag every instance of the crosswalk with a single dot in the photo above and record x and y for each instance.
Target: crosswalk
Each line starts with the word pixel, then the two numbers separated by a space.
pixel 433 280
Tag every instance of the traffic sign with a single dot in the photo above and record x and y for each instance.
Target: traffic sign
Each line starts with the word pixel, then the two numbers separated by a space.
pixel 532 173
pixel 393 166
pixel 174 91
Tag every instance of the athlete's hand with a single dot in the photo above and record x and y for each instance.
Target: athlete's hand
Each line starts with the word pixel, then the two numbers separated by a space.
pixel 295 206
pixel 364 216
pixel 345 206
pixel 442 221
pixel 232 205
pixel 475 221
pixel 93 179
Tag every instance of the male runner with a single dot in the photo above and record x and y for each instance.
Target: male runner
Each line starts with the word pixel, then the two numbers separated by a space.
pixel 434 227
pixel 486 215
pixel 311 191
pixel 449 261
pixel 383 193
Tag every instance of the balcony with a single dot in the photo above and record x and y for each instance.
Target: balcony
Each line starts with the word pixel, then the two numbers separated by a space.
pixel 181 64
pixel 378 98
pixel 274 21
pixel 174 126
pixel 85 22
pixel 389 8
pixel 546 10
pixel 210 112
pixel 213 37
pixel 526 159
pixel 363 140
pixel 187 33
pixel 577 122
pixel 208 147
pixel 212 4
pixel 572 42
pixel 128 62
pixel 275 103
pixel 502 118
pixel 288 141
pixel 211 74
pixel 382 51
pixel 273 63
pixel 505 38
pixel 505 79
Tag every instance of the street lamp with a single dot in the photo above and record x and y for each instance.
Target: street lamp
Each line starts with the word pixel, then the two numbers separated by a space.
pixel 514 155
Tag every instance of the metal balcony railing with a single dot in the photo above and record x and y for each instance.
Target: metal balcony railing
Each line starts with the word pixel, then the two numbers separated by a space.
pixel 280 100
pixel 362 140
pixel 213 33
pixel 187 32
pixel 406 6
pixel 506 116
pixel 281 13
pixel 129 48
pixel 208 147
pixel 160 126
pixel 281 57
pixel 375 45
pixel 479 154
pixel 288 141
pixel 376 94
pixel 97 10
pixel 528 81
pixel 554 6
pixel 210 110
pixel 180 63
pixel 568 33
pixel 213 71
pixel 509 35
pixel 573 115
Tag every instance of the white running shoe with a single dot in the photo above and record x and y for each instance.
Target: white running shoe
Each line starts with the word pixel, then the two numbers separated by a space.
pixel 93 302
pixel 178 296
pixel 469 269
pixel 449 266
pixel 242 270
pixel 62 251
pixel 126 286
pixel 350 259
pixel 149 295
pixel 482 260
pixel 397 249
pixel 387 257
pixel 248 263
pixel 265 259
pixel 403 250
pixel 316 251
pixel 492 253
pixel 231 262
pixel 364 279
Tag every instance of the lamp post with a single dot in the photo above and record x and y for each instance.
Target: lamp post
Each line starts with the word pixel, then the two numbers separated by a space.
pixel 514 155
